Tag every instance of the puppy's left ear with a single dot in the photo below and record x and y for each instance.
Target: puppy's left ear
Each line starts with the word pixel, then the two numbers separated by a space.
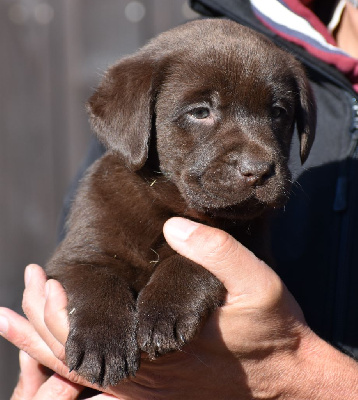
pixel 121 108
pixel 306 113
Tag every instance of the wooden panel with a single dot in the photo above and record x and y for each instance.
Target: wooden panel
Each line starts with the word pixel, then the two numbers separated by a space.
pixel 27 215
pixel 53 53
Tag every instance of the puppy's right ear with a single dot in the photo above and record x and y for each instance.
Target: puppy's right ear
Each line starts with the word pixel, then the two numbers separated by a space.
pixel 306 114
pixel 121 109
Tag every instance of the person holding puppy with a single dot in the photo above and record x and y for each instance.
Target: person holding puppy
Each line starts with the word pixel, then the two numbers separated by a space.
pixel 259 344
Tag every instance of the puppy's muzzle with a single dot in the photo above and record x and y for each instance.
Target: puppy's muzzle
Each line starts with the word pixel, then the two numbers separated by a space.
pixel 255 172
pixel 242 180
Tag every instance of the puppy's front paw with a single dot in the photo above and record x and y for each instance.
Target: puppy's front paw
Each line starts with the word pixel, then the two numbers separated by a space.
pixel 103 350
pixel 165 325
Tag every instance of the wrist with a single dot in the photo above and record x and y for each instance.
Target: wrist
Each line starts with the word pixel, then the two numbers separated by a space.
pixel 328 373
pixel 314 370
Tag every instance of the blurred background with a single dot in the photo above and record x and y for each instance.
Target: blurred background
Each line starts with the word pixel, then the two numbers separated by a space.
pixel 53 53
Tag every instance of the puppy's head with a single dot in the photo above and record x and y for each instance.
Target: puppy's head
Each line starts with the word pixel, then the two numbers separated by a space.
pixel 223 101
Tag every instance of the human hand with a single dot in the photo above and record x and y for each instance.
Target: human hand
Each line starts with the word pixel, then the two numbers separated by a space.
pixel 256 346
pixel 36 384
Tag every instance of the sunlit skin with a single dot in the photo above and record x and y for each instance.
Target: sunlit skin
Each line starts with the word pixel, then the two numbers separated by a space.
pixel 347 32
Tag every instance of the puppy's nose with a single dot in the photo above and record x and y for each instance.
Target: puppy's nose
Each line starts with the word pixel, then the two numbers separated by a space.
pixel 256 172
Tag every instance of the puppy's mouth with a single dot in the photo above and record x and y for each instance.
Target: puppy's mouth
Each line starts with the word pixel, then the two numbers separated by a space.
pixel 246 210
pixel 224 195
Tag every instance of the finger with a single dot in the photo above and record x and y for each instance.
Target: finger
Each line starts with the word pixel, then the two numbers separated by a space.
pixel 19 331
pixel 34 300
pixel 58 388
pixel 55 313
pixel 22 334
pixel 32 376
pixel 233 264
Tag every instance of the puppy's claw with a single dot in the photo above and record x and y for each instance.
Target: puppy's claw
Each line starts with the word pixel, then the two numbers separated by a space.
pixel 74 362
pixel 103 357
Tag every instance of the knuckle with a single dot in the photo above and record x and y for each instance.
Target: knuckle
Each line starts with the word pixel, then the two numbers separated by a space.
pixel 270 293
pixel 21 340
pixel 58 350
pixel 220 246
pixel 28 304
pixel 58 388
pixel 25 303
pixel 74 377
pixel 274 292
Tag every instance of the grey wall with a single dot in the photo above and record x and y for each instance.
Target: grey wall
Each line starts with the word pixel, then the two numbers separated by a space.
pixel 52 53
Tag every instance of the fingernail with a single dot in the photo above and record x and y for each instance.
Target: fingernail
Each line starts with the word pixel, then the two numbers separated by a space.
pixel 28 272
pixel 4 325
pixel 180 228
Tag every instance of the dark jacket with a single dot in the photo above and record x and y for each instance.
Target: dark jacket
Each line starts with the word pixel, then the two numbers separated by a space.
pixel 314 237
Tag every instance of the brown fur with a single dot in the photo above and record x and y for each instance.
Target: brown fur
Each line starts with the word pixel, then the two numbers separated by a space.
pixel 198 123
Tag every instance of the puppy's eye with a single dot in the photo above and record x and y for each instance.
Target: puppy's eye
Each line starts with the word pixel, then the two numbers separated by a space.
pixel 200 112
pixel 278 112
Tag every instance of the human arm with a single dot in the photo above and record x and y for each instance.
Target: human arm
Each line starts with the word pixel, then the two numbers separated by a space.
pixel 256 346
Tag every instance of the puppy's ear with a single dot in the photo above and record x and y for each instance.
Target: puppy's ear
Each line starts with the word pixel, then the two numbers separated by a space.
pixel 306 115
pixel 121 109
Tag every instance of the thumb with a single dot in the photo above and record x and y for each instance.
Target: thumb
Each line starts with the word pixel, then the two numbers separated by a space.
pixel 234 265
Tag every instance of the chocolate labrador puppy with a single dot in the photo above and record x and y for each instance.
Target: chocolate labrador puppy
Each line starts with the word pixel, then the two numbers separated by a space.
pixel 198 123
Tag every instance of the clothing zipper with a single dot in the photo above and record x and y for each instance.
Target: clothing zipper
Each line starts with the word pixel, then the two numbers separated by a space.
pixel 354 129
pixel 341 196
pixel 343 193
